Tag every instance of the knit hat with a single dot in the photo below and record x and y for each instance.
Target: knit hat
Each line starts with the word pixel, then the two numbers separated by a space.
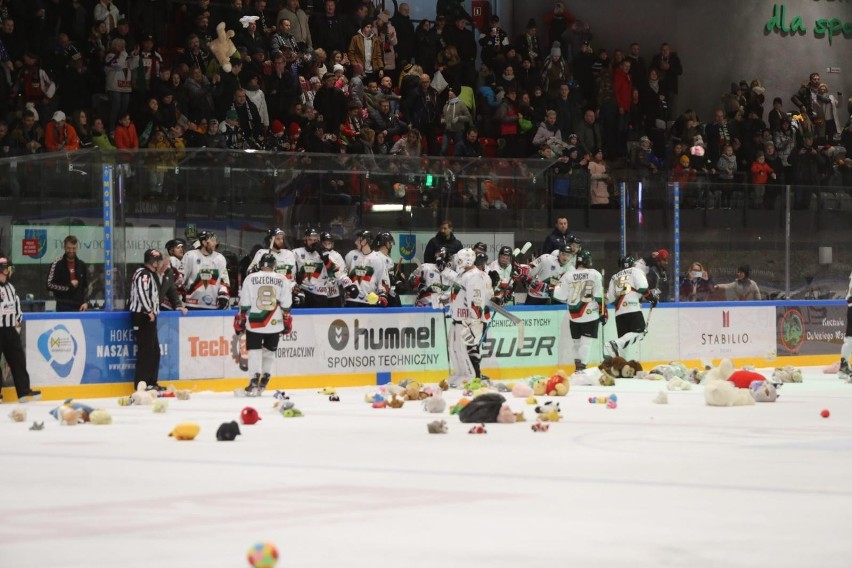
pixel 249 415
pixel 556 50
pixel 228 431
pixel 338 67
pixel 662 254
pixel 231 115
pixel 295 129
pixel 276 127
pixel 684 160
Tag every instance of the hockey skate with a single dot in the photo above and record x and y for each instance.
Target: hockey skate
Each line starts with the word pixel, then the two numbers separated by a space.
pixel 613 347
pixel 252 389
pixel 844 373
pixel 264 381
pixel 579 366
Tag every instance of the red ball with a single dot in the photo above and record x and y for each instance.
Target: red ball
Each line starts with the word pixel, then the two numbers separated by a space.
pixel 825 413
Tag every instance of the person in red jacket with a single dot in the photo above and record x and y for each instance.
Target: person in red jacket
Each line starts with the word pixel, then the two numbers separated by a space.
pixel 59 135
pixel 761 173
pixel 623 87
pixel 125 134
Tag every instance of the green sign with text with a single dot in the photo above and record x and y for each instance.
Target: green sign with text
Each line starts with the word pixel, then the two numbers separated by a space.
pixel 830 27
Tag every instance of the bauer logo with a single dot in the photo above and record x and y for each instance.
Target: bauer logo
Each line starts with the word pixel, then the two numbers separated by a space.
pixel 338 335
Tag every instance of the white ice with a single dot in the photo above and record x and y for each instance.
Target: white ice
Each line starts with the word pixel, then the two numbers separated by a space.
pixel 680 484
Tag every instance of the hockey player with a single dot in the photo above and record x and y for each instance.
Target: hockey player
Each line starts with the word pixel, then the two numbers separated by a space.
pixel 582 291
pixel 469 312
pixel 205 276
pixel 335 269
pixel 432 280
pixel 504 275
pixel 369 273
pixel 627 288
pixel 176 249
pixel 264 315
pixel 845 372
pixel 285 260
pixel 353 255
pixel 310 272
pixel 383 245
pixel 544 274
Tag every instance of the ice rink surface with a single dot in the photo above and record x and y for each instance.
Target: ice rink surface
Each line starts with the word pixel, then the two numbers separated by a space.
pixel 347 485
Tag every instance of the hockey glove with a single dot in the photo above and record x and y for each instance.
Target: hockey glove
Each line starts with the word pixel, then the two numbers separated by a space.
pixel 326 259
pixel 400 287
pixel 222 302
pixel 240 322
pixel 298 299
pixel 654 297
pixel 352 291
pixel 604 319
pixel 495 278
pixel 383 301
pixel 288 325
pixel 497 300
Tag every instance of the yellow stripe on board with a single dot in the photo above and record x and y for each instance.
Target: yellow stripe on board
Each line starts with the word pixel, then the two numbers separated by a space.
pixel 366 379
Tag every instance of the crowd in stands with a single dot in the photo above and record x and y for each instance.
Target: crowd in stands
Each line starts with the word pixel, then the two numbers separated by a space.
pixel 346 76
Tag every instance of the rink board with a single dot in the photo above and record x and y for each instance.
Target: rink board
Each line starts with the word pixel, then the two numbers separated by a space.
pixel 93 354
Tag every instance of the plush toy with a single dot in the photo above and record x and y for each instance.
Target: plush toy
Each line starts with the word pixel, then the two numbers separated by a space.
pixel 100 417
pixel 180 394
pixel 521 390
pixel 743 378
pixel 395 402
pixel 540 427
pixel 412 391
pixel 142 395
pixel 788 374
pixel 531 381
pixel 540 387
pixel 459 405
pixel 70 416
pixel 125 401
pixel 548 407
pixel 222 47
pixel 558 384
pixel 618 367
pixel 185 431
pixel 719 391
pixel 531 400
pixel 763 391
pixel 437 427
pixel 479 429
pixel 18 415
pixel 629 370
pixel 506 416
pixel 500 387
pixel 160 406
pixel 435 403
pixel 444 385
pixel 661 398
pixel 328 391
pixel 228 431
pixel 607 380
pixel 650 376
pixel 292 413
pixel 519 417
pixel 676 383
pixel 483 409
pixel 84 409
pixel 37 426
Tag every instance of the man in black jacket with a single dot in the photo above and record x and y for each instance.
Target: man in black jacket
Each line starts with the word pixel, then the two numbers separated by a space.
pixel 558 237
pixel 68 279
pixel 443 239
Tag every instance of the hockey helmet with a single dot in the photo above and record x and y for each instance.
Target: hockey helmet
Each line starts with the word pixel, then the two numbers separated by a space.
pixel 481 259
pixel 326 236
pixel 5 263
pixel 480 247
pixel 152 255
pixel 572 240
pixel 268 260
pixel 310 232
pixel 441 254
pixel 383 239
pixel 206 236
pixel 175 243
pixel 505 251
pixel 274 232
pixel 465 258
pixel 584 257
pixel 626 261
pixel 367 238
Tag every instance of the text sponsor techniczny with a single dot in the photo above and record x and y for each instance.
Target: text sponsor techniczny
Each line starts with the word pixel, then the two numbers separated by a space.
pixel 381 346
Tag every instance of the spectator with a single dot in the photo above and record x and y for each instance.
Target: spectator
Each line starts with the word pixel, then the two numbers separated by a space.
pixel 388 40
pixel 100 139
pixel 743 288
pixel 28 135
pixel 80 122
pixel 427 45
pixel 8 145
pixel 696 285
pixel 382 120
pixel 785 141
pixel 806 99
pixel 469 147
pixel 225 85
pixel 327 30
pixel 668 63
pixel 444 238
pixel 558 238
pixel 409 145
pixel 119 83
pixel 68 279
pixel 761 173
pixel 11 319
pixel 548 133
pixel 588 132
pixel 330 102
pixel 807 164
pixel 59 135
pixel 658 277
pixel 36 86
pixel 554 72
pixel 601 179
pixel 125 134
pixel 827 119
pixel 105 11
pixel 726 166
pixel 406 45
pixel 255 96
pixel 299 19
pixel 773 186
pixel 365 48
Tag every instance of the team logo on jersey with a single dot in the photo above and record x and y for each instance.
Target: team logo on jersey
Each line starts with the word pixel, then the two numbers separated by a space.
pixel 59 349
pixel 407 246
pixel 338 334
pixel 34 243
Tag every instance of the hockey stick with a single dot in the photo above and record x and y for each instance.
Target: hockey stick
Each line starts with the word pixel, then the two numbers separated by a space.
pixel 444 318
pixel 647 323
pixel 519 323
pixel 603 299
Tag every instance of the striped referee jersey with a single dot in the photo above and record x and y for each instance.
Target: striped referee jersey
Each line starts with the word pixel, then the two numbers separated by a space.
pixel 144 292
pixel 10 306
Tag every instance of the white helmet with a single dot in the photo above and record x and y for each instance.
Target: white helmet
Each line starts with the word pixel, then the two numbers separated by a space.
pixel 465 258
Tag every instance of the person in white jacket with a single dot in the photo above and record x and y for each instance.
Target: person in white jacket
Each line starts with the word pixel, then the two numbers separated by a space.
pixel 119 80
pixel 549 133
pixel 105 11
pixel 456 119
pixel 255 95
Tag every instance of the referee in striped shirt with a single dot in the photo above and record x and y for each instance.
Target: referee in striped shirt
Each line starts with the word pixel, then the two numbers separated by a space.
pixel 144 307
pixel 10 339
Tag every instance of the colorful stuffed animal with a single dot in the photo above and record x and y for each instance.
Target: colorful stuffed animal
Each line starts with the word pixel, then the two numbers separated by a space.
pixel 719 391
pixel 558 384
pixel 506 416
pixel 763 391
pixel 395 402
pixel 521 390
pixel 185 431
pixel 100 417
pixel 540 387
pixel 788 374
pixel 743 378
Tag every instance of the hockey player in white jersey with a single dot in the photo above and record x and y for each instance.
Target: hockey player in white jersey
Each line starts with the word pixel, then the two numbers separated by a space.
pixel 264 315
pixel 335 271
pixel 361 243
pixel 285 260
pixel 205 276
pixel 504 276
pixel 582 290
pixel 369 273
pixel 310 271
pixel 383 245
pixel 433 281
pixel 845 372
pixel 469 312
pixel 627 289
pixel 176 249
pixel 544 274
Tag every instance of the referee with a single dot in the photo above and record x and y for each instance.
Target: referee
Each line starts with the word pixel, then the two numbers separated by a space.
pixel 144 307
pixel 10 339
